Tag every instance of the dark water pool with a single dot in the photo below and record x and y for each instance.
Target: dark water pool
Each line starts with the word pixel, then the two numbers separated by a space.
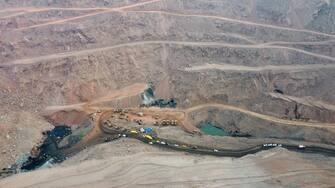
pixel 49 150
pixel 210 129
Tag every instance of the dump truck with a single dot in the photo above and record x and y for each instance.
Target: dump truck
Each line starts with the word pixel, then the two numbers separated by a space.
pixel 140 114
pixel 147 137
pixel 134 132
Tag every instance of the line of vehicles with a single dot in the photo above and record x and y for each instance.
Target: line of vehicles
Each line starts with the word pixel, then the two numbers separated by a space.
pixel 300 146
pixel 146 136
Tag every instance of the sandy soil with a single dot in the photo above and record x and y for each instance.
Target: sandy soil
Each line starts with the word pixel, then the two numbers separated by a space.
pixel 128 163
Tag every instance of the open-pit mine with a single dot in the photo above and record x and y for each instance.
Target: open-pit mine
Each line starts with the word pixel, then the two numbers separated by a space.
pixel 167 93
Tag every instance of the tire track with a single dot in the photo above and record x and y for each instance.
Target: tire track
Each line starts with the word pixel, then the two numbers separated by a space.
pixel 13 15
pixel 184 43
pixel 326 42
pixel 106 10
pixel 89 15
pixel 242 68
pixel 262 116
pixel 34 10
pixel 236 21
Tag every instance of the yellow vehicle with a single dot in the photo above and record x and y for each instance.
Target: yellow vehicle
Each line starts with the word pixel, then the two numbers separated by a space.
pixel 147 137
pixel 134 132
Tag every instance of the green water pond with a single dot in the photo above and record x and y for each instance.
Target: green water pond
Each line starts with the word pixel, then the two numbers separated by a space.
pixel 210 129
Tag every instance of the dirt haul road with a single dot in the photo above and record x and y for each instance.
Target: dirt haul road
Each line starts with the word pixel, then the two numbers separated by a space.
pixel 330 126
pixel 176 113
pixel 238 21
pixel 241 68
pixel 177 14
pixel 44 59
pixel 133 90
pixel 90 14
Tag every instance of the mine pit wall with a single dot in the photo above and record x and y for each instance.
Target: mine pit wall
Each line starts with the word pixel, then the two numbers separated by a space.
pixel 180 56
pixel 128 27
pixel 125 102
pixel 65 80
pixel 134 27
pixel 262 11
pixel 286 109
pixel 83 77
pixel 251 90
pixel 259 128
pixel 162 89
pixel 72 118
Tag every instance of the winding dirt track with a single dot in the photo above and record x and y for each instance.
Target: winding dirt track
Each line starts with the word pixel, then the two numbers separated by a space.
pixel 42 9
pixel 262 116
pixel 106 10
pixel 241 68
pixel 37 10
pixel 90 14
pixel 184 43
pixel 13 15
pixel 326 42
pixel 189 127
pixel 136 89
pixel 236 21
pixel 126 92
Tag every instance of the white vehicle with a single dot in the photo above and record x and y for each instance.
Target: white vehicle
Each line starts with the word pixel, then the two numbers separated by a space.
pixel 163 143
pixel 301 146
pixel 279 145
pixel 270 145
pixel 176 145
pixel 215 150
pixel 150 143
pixel 124 135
